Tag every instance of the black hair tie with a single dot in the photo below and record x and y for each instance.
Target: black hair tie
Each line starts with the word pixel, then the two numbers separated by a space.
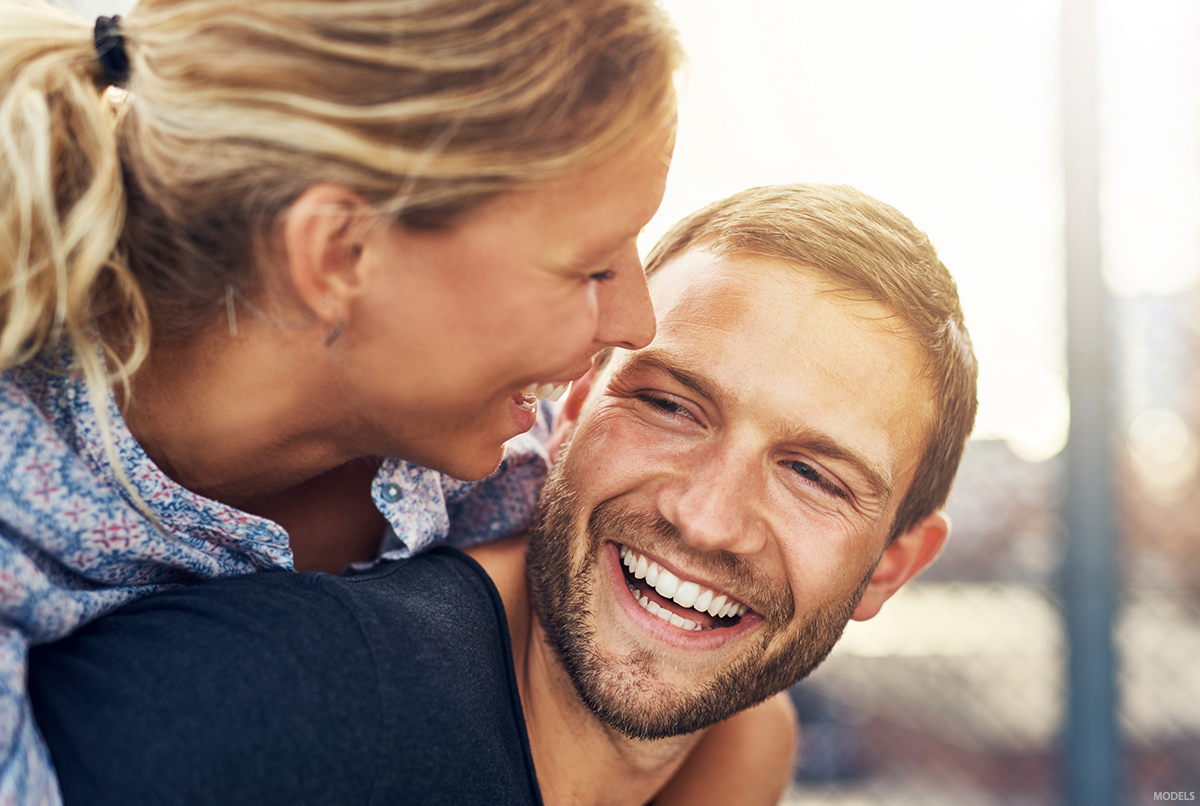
pixel 110 47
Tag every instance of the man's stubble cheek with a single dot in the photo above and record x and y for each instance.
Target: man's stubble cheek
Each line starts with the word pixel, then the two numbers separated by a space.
pixel 626 691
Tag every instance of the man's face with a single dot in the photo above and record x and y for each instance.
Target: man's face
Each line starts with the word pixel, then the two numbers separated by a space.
pixel 726 494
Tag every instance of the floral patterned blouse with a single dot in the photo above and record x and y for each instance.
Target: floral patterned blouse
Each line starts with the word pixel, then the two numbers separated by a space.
pixel 73 545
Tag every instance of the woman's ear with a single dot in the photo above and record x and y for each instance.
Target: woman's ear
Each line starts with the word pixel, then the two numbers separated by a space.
pixel 322 240
pixel 568 414
pixel 908 555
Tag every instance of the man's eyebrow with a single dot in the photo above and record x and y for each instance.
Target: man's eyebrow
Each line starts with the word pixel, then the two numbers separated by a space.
pixel 653 360
pixel 879 487
pixel 878 483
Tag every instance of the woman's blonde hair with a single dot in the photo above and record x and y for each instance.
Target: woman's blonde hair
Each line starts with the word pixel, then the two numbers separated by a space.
pixel 125 208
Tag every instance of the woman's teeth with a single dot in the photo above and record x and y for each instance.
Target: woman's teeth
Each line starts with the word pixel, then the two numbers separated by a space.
pixel 684 594
pixel 546 391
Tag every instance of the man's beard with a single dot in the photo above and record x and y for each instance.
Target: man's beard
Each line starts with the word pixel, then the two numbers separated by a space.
pixel 626 693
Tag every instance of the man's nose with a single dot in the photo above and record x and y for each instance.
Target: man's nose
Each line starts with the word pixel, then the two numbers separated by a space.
pixel 625 317
pixel 711 501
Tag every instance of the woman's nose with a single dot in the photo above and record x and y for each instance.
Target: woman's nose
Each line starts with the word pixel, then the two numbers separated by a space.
pixel 626 316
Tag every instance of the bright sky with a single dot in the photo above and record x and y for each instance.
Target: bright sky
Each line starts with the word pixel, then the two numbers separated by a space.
pixel 949 111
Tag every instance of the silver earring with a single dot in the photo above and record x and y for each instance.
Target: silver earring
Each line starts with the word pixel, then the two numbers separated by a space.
pixel 231 311
pixel 337 331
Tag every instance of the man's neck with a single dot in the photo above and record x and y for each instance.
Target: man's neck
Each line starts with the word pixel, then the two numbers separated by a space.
pixel 579 760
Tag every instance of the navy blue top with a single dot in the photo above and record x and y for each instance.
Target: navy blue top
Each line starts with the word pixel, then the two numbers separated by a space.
pixel 392 686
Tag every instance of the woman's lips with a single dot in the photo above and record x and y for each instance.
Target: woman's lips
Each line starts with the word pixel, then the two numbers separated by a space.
pixel 553 391
pixel 527 399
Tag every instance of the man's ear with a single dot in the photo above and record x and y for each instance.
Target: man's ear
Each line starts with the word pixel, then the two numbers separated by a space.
pixel 568 414
pixel 322 240
pixel 908 555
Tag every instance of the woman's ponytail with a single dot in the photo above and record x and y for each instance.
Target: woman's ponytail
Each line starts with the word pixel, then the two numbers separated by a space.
pixel 62 202
pixel 63 280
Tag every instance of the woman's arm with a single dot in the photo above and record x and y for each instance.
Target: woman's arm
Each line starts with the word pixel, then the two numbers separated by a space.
pixel 746 760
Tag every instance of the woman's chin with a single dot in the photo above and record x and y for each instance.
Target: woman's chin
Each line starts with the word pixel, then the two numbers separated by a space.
pixel 478 465
pixel 473 453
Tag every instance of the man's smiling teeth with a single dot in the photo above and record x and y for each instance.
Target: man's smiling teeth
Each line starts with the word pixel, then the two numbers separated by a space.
pixel 546 391
pixel 684 594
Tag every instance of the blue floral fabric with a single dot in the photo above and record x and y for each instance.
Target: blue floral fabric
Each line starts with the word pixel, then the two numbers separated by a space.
pixel 74 544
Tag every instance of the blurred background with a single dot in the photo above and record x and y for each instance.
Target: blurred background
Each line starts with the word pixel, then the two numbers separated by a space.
pixel 961 690
pixel 977 685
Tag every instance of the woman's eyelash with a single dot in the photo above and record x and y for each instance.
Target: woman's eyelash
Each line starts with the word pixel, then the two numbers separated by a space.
pixel 601 276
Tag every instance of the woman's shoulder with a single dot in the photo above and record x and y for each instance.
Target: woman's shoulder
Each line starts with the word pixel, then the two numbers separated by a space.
pixel 75 541
pixel 38 412
pixel 47 405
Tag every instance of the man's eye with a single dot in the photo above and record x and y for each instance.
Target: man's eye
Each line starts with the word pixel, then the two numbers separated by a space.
pixel 811 474
pixel 602 276
pixel 665 404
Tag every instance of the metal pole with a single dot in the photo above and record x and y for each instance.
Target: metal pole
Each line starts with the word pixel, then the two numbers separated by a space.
pixel 1090 580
